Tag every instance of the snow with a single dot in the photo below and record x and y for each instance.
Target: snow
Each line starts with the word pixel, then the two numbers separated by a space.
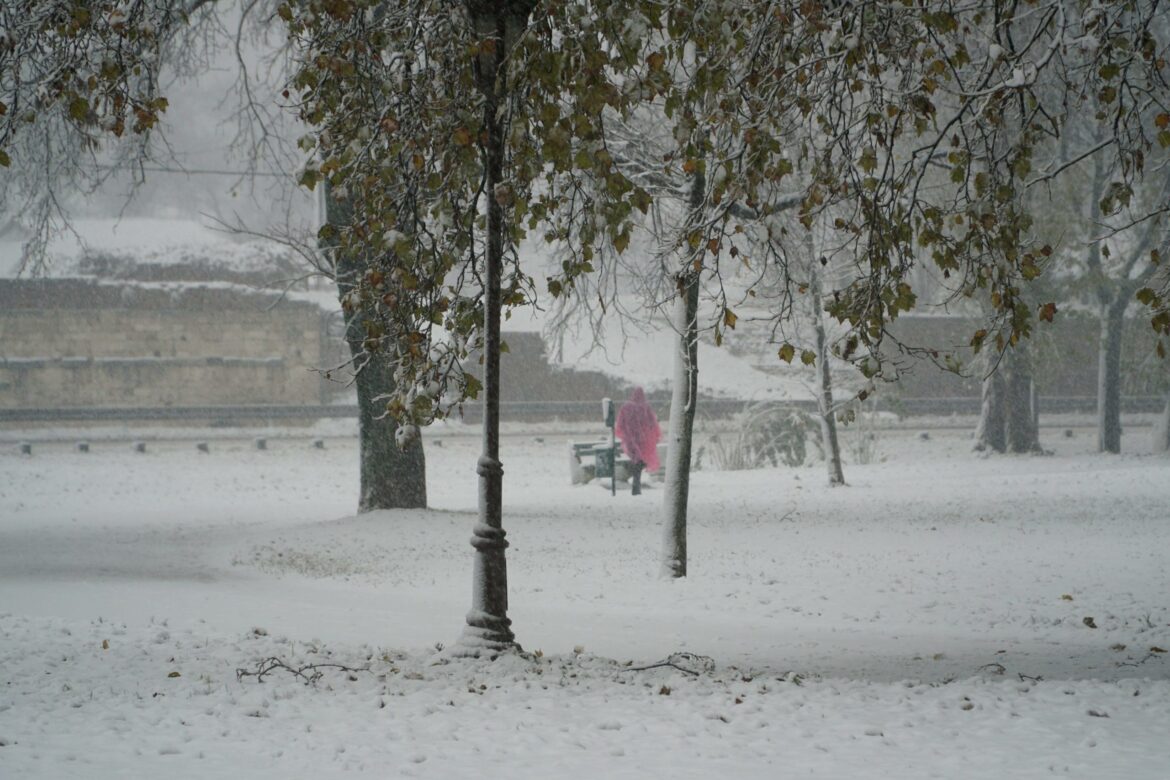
pixel 158 239
pixel 898 627
pixel 644 356
pixel 170 242
pixel 167 242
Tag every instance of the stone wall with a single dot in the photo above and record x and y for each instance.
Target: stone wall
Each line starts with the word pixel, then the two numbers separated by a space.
pixel 71 342
pixel 527 376
pixel 1064 354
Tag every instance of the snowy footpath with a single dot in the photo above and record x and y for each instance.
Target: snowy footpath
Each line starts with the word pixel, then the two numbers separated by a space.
pixel 183 614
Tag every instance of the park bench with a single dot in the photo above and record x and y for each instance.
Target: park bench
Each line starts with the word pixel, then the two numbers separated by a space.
pixel 589 460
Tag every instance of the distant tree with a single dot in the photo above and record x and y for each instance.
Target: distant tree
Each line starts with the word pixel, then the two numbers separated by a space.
pixel 1160 436
pixel 1009 411
pixel 1112 252
pixel 800 269
pixel 1157 367
pixel 1116 269
pixel 1156 299
pixel 1161 280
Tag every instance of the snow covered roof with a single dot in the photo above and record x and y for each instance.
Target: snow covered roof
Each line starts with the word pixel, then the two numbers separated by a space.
pixel 646 358
pixel 111 247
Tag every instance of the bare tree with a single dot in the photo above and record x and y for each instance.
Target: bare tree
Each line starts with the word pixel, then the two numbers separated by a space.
pixel 1114 275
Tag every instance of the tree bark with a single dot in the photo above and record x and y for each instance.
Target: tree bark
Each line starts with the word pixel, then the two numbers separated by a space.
pixel 1109 340
pixel 825 382
pixel 683 401
pixel 1109 374
pixel 1022 431
pixel 991 434
pixel 392 477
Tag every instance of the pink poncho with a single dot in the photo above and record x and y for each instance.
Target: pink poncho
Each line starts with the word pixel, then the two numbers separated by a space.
pixel 637 427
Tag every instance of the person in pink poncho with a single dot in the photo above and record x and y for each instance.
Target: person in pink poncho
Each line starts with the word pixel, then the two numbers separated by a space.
pixel 637 427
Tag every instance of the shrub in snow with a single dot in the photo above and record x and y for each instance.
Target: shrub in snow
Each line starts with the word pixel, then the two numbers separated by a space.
pixel 768 434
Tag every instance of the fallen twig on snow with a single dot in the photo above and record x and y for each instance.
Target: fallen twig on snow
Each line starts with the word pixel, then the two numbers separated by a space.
pixel 309 674
pixel 675 661
pixel 1138 663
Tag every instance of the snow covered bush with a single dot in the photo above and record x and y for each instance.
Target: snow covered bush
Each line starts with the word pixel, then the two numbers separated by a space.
pixel 767 434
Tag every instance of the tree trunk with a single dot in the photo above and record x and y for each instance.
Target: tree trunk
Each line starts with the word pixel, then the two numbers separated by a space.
pixel 488 631
pixel 1109 375
pixel 1161 432
pixel 991 434
pixel 392 477
pixel 684 397
pixel 683 401
pixel 825 382
pixel 1023 435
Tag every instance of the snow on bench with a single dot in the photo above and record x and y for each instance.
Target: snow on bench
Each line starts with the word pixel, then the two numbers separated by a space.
pixel 581 472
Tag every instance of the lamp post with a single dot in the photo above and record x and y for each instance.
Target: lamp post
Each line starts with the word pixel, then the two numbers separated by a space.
pixel 488 632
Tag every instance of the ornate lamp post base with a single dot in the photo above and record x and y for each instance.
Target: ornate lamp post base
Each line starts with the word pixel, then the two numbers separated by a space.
pixel 485 636
pixel 489 630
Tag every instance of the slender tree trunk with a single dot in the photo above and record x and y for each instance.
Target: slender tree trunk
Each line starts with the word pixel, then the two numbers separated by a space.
pixel 488 630
pixel 1022 433
pixel 824 381
pixel 991 434
pixel 684 399
pixel 1109 375
pixel 1109 341
pixel 392 477
pixel 1161 432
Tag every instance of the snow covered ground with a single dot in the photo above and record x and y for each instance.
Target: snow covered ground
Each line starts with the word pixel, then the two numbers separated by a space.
pixel 930 620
